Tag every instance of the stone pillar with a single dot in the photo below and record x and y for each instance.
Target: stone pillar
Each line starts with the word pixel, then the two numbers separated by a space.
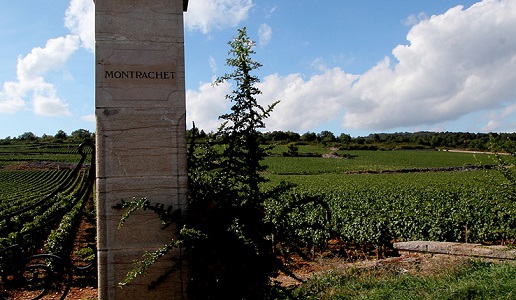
pixel 141 138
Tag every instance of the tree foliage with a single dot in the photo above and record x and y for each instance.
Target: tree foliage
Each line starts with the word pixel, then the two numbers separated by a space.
pixel 235 259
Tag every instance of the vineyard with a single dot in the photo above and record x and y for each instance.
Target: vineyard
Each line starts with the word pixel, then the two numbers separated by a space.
pixel 372 199
pixel 371 161
pixel 44 192
pixel 357 203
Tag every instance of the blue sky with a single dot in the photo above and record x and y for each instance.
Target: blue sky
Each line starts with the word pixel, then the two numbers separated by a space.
pixel 355 67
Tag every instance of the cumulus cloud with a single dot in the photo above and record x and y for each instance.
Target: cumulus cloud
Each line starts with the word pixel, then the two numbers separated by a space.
pixel 50 105
pixel 31 85
pixel 207 15
pixel 305 104
pixel 80 20
pixel 41 60
pixel 264 34
pixel 204 106
pixel 10 104
pixel 454 65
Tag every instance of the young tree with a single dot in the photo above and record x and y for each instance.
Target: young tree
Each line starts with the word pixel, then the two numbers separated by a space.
pixel 240 129
pixel 235 259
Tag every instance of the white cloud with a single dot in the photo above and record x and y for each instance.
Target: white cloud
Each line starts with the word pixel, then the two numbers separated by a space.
pixel 305 104
pixel 491 126
pixel 319 64
pixel 413 19
pixel 80 20
pixel 207 15
pixel 52 57
pixel 213 64
pixel 49 104
pixel 32 69
pixel 456 64
pixel 271 11
pixel 9 105
pixel 205 106
pixel 89 118
pixel 264 34
pixel 500 119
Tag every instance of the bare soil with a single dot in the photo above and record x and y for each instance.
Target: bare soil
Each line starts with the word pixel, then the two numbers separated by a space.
pixel 413 263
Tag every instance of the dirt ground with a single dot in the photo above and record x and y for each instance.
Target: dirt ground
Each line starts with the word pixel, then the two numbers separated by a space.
pixel 413 263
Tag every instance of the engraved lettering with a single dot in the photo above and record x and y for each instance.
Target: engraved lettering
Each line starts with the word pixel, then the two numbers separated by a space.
pixel 132 74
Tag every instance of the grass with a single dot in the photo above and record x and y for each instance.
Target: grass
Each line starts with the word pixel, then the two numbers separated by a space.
pixel 474 279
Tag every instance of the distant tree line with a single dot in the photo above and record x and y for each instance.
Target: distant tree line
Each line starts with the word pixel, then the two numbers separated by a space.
pixel 374 141
pixel 77 136
pixel 382 141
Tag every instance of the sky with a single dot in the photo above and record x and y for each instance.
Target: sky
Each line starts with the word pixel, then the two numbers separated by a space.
pixel 355 66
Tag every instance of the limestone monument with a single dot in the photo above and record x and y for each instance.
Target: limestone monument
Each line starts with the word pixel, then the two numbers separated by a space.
pixel 141 138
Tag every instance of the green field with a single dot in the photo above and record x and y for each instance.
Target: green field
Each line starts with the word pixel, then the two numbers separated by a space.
pixel 374 197
pixel 371 206
pixel 22 153
pixel 38 188
pixel 364 160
